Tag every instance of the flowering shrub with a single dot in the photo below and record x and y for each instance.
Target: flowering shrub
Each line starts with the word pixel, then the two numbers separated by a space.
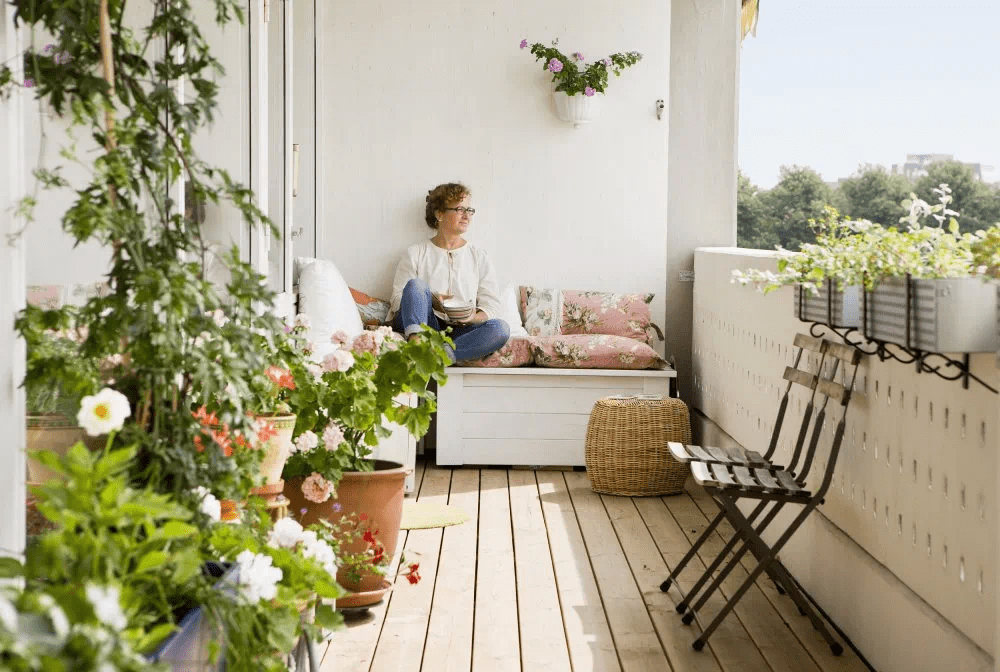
pixel 860 252
pixel 573 75
pixel 356 388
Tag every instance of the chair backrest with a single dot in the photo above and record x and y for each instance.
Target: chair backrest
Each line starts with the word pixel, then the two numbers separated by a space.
pixel 802 372
pixel 837 356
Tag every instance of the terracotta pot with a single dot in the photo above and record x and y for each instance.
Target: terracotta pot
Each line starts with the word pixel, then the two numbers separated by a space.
pixel 378 495
pixel 276 452
pixel 58 434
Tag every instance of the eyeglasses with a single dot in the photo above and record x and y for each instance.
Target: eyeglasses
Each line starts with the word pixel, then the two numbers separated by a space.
pixel 463 211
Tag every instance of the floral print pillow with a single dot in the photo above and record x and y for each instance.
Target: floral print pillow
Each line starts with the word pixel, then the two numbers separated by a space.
pixel 606 313
pixel 543 311
pixel 596 351
pixel 516 352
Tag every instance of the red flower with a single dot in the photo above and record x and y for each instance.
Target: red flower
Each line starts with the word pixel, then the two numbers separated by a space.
pixel 370 537
pixel 265 433
pixel 412 575
pixel 281 377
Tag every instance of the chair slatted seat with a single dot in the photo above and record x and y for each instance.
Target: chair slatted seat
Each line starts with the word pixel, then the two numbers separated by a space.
pixel 732 475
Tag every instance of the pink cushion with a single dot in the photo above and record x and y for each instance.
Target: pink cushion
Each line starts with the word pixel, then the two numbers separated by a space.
pixel 517 352
pixel 593 351
pixel 606 313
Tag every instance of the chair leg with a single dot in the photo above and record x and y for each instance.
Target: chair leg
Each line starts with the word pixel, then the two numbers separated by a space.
pixel 728 506
pixel 665 586
pixel 772 553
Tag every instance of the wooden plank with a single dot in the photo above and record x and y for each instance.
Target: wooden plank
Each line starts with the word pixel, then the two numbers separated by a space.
pixel 525 425
pixel 766 479
pixel 449 633
pixel 835 391
pixel 679 452
pixel 800 625
pixel 702 474
pixel 730 644
pixel 405 625
pixel 801 377
pixel 577 400
pixel 543 640
pixel 718 454
pixel 781 649
pixel 722 474
pixel 569 452
pixel 699 453
pixel 588 635
pixel 808 343
pixel 354 647
pixel 649 570
pixel 495 632
pixel 635 637
pixel 743 476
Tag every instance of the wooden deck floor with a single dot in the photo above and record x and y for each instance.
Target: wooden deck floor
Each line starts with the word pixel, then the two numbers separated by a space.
pixel 548 575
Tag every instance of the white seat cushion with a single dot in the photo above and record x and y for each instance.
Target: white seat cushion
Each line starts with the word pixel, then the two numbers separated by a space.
pixel 326 299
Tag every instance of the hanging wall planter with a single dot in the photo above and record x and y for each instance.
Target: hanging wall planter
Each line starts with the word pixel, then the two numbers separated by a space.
pixel 832 306
pixel 576 110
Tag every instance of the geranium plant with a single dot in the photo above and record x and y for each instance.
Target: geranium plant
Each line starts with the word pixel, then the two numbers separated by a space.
pixel 573 75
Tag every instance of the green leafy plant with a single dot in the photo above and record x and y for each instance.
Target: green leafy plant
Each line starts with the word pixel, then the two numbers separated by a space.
pixel 860 252
pixel 573 75
pixel 362 381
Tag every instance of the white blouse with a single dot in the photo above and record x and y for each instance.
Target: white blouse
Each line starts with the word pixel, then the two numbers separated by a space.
pixel 465 273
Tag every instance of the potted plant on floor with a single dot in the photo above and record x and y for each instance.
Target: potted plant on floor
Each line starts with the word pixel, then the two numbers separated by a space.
pixel 330 473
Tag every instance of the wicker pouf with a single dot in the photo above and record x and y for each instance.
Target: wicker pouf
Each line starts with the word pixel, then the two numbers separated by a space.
pixel 626 448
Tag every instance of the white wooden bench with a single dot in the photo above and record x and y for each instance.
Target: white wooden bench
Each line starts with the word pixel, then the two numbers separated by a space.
pixel 529 415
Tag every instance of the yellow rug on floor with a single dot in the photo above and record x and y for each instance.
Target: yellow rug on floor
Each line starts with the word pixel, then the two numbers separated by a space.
pixel 422 515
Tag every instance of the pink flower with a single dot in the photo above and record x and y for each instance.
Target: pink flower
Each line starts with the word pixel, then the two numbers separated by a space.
pixel 365 342
pixel 577 55
pixel 333 436
pixel 589 91
pixel 316 488
pixel 607 62
pixel 338 360
pixel 555 65
pixel 28 83
pixel 306 441
pixel 524 43
pixel 340 338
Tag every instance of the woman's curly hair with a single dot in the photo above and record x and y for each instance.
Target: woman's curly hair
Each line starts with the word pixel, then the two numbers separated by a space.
pixel 441 197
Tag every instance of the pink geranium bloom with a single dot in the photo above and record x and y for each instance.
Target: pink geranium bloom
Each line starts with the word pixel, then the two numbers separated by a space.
pixel 365 342
pixel 316 488
pixel 340 337
pixel 589 91
pixel 524 43
pixel 555 65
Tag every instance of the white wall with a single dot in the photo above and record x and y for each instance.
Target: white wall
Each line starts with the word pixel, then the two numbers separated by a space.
pixel 903 553
pixel 12 272
pixel 411 95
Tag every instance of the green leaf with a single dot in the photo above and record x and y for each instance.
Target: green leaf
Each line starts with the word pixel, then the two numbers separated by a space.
pixel 328 618
pixel 154 637
pixel 175 530
pixel 10 568
pixel 151 560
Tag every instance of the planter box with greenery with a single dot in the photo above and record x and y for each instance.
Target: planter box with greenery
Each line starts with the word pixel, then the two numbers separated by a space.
pixel 829 305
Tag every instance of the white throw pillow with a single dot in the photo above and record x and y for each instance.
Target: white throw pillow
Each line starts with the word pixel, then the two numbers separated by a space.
pixel 325 298
pixel 510 312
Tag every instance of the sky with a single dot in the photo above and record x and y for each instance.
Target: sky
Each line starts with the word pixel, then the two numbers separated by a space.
pixel 836 84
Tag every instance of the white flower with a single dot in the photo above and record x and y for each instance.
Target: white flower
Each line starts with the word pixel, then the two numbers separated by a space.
pixel 306 441
pixel 302 321
pixel 209 505
pixel 219 317
pixel 103 412
pixel 107 606
pixel 340 337
pixel 333 436
pixel 8 614
pixel 338 360
pixel 285 533
pixel 258 578
pixel 60 624
pixel 315 369
pixel 320 551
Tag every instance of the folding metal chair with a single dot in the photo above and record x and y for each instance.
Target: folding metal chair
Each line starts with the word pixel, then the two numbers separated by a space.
pixel 751 459
pixel 734 474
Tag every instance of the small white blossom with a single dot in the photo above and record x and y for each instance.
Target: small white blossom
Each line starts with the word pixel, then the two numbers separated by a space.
pixel 107 606
pixel 333 436
pixel 286 533
pixel 8 614
pixel 338 360
pixel 306 441
pixel 103 412
pixel 60 624
pixel 209 504
pixel 302 321
pixel 319 550
pixel 315 369
pixel 219 317
pixel 257 577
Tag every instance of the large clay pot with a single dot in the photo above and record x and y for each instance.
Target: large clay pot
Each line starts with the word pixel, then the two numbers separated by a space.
pixel 378 495
pixel 276 451
pixel 58 434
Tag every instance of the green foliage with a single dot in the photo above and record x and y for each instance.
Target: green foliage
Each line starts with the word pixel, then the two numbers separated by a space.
pixel 57 377
pixel 978 202
pixel 873 194
pixel 572 75
pixel 800 196
pixel 753 227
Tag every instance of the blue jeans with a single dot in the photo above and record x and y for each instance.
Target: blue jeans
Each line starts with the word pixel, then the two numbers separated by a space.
pixel 473 341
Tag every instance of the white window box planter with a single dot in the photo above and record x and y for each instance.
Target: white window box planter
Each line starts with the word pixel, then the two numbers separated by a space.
pixel 943 315
pixel 831 306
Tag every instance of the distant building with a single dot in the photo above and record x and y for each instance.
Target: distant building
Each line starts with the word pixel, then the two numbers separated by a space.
pixel 916 165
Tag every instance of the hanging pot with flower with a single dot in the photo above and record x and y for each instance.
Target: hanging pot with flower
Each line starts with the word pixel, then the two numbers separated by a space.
pixel 576 83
